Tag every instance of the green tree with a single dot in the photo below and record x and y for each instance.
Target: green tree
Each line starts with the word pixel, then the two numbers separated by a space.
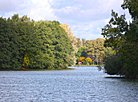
pixel 62 46
pixel 81 52
pixel 123 37
pixel 45 56
pixel 113 65
pixel 95 50
pixel 72 38
pixel 31 44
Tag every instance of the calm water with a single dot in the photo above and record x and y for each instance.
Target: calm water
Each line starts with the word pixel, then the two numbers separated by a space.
pixel 85 84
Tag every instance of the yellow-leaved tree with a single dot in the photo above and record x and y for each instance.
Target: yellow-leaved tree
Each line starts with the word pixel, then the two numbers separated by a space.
pixel 73 41
pixel 88 60
pixel 81 59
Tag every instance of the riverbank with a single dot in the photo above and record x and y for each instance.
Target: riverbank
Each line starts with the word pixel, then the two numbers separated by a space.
pixel 89 65
pixel 37 69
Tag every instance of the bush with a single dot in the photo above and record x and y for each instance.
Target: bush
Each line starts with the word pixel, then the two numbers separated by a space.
pixel 113 65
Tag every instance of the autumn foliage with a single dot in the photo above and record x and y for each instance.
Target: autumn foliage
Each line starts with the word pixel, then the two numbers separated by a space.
pixel 88 60
pixel 85 60
pixel 81 59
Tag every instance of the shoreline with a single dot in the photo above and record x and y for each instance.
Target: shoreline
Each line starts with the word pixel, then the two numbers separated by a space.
pixel 37 69
pixel 90 65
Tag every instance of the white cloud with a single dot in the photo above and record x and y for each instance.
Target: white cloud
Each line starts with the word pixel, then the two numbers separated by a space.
pixel 41 10
pixel 35 9
pixel 98 29
pixel 85 17
pixel 86 10
pixel 89 30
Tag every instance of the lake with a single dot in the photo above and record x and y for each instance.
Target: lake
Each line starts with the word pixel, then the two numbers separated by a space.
pixel 85 84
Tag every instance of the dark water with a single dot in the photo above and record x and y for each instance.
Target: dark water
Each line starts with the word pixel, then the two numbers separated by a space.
pixel 85 84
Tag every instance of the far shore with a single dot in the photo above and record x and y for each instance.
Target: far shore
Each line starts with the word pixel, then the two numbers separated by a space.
pixel 27 69
pixel 90 65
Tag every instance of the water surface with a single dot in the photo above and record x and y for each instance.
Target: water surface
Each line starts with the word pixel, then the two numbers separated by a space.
pixel 85 84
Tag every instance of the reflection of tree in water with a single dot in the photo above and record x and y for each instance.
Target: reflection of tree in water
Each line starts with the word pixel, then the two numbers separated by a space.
pixel 100 68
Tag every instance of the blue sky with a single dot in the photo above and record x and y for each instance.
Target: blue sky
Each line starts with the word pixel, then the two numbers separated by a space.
pixel 85 17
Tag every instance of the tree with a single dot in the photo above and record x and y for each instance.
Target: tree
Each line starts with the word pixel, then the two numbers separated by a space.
pixel 81 52
pixel 45 56
pixel 114 31
pixel 88 60
pixel 8 45
pixel 78 42
pixel 113 65
pixel 62 46
pixel 73 41
pixel 81 59
pixel 101 57
pixel 95 50
pixel 132 6
pixel 31 44
pixel 123 37
pixel 83 42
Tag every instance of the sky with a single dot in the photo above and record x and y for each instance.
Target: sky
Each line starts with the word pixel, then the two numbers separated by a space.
pixel 86 18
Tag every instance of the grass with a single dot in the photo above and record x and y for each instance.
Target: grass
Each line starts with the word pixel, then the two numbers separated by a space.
pixel 37 69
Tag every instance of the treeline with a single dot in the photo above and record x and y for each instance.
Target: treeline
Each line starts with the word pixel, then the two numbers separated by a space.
pixel 90 49
pixel 73 40
pixel 122 37
pixel 30 44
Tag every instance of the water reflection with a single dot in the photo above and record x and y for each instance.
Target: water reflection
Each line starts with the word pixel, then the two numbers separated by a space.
pixel 85 84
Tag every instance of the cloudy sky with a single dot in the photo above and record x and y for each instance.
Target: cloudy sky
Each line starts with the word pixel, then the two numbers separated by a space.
pixel 85 17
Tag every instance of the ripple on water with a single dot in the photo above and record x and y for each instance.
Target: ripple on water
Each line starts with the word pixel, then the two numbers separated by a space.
pixel 85 84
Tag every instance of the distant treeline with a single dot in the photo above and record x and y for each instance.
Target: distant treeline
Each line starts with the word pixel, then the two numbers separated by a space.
pixel 93 49
pixel 90 49
pixel 30 44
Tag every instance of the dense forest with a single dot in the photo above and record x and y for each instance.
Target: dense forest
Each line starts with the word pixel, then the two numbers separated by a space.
pixel 44 44
pixel 30 44
pixel 122 37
